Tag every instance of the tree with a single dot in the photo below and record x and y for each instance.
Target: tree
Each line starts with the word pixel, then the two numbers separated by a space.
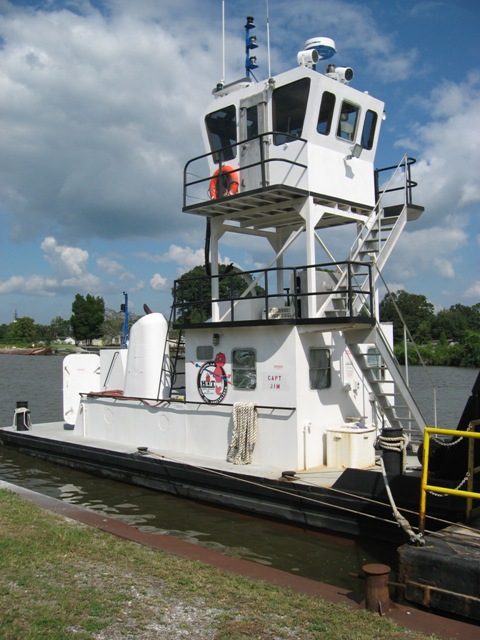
pixel 416 311
pixel 112 326
pixel 87 317
pixel 193 291
pixel 60 328
pixel 22 330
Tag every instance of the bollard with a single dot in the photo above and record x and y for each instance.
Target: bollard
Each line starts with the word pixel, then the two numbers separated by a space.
pixel 22 416
pixel 392 454
pixel 377 597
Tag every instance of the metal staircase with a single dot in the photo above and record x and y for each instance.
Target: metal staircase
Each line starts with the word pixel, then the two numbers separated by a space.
pixel 392 395
pixel 373 246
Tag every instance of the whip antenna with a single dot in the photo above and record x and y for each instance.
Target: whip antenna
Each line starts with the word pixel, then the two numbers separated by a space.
pixel 268 43
pixel 223 41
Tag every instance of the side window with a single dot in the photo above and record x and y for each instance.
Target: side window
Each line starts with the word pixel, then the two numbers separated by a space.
pixel 222 132
pixel 244 368
pixel 348 121
pixel 320 368
pixel 205 352
pixel 325 115
pixel 289 104
pixel 369 126
pixel 252 122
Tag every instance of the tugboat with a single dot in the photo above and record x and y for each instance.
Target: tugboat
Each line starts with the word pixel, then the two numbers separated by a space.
pixel 272 390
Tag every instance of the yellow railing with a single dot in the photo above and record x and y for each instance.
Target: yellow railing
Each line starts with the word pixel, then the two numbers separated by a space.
pixel 471 469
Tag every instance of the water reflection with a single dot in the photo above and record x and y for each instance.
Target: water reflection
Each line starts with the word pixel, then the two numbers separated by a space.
pixel 307 553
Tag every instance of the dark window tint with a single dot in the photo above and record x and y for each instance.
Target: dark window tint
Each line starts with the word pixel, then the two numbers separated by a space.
pixel 369 126
pixel 222 133
pixel 289 107
pixel 252 122
pixel 326 113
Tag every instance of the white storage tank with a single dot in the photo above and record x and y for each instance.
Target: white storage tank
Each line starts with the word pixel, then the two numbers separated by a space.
pixel 351 446
pixel 147 360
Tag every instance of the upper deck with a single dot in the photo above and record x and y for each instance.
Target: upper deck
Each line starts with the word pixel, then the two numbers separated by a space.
pixel 270 145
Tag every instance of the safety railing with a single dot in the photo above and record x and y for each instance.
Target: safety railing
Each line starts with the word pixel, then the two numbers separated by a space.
pixel 196 175
pixel 269 295
pixel 468 493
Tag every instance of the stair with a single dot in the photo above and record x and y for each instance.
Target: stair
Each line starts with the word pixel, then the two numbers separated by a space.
pixel 392 395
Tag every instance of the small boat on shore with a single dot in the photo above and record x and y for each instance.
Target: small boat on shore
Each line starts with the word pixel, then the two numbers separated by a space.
pixel 273 390
pixel 31 351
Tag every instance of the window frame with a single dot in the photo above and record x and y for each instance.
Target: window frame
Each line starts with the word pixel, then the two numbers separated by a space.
pixel 348 108
pixel 239 370
pixel 329 109
pixel 215 138
pixel 320 373
pixel 282 111
pixel 372 129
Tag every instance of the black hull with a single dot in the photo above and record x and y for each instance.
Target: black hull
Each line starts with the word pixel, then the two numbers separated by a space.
pixel 342 509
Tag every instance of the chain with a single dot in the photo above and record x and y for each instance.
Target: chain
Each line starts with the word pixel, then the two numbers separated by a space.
pixel 444 495
pixel 442 443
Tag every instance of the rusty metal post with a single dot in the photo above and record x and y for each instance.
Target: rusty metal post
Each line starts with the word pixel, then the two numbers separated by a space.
pixel 377 597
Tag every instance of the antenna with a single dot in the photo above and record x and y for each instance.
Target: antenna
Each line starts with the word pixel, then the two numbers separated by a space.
pixel 268 43
pixel 223 41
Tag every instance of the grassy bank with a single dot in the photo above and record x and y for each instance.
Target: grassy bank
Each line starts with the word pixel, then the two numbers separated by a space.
pixel 61 579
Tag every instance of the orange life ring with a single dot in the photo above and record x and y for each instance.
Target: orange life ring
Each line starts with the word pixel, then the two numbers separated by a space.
pixel 224 183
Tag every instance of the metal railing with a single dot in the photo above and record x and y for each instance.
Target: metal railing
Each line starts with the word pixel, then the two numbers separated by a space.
pixel 275 294
pixel 469 494
pixel 223 156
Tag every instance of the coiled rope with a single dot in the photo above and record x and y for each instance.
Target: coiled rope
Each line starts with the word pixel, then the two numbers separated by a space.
pixel 398 443
pixel 244 434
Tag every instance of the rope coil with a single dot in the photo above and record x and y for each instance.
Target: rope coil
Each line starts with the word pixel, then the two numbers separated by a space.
pixel 244 434
pixel 397 443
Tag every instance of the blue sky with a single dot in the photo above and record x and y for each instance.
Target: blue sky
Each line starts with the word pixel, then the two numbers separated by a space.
pixel 99 111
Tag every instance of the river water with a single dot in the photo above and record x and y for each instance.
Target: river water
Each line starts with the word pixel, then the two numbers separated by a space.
pixel 38 380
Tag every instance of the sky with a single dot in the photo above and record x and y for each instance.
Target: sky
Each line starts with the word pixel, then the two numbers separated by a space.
pixel 100 105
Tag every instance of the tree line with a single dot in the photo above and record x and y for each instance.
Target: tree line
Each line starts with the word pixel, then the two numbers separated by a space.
pixel 447 337
pixel 90 320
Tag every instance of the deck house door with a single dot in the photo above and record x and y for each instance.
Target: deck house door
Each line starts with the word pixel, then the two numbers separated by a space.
pixel 253 123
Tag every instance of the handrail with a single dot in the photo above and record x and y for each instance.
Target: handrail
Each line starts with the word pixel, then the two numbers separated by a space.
pixel 183 302
pixel 218 158
pixel 471 470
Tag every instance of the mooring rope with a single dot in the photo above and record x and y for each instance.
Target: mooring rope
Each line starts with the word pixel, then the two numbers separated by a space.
pixel 398 443
pixel 244 434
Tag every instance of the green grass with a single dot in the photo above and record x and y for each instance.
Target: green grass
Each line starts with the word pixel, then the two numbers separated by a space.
pixel 61 579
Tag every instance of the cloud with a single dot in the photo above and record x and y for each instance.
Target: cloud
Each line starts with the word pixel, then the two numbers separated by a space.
pixel 94 112
pixel 449 148
pixel 158 282
pixel 473 292
pixel 69 261
pixel 70 273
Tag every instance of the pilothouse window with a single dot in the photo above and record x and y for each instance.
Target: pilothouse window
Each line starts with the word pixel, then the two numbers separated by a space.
pixel 369 126
pixel 252 122
pixel 326 113
pixel 222 133
pixel 348 121
pixel 289 104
